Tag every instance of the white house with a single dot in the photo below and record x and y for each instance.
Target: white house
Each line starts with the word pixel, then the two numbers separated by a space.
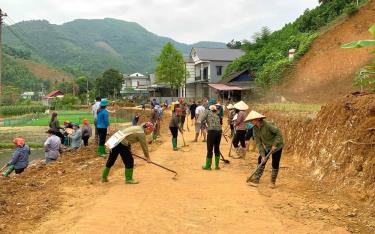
pixel 204 66
pixel 135 84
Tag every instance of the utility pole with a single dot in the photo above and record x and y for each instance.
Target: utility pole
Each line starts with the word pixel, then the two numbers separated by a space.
pixel 1 52
pixel 87 92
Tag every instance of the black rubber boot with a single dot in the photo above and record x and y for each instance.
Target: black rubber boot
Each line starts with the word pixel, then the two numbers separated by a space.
pixel 273 178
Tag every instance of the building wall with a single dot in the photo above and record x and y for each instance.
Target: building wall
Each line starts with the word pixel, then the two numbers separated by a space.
pixel 214 78
pixel 190 68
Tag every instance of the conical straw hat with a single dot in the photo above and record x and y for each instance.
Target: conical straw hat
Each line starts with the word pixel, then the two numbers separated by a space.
pixel 230 107
pixel 254 115
pixel 241 106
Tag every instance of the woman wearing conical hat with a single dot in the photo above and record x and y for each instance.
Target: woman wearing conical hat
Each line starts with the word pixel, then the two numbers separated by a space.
pixel 268 139
pixel 240 127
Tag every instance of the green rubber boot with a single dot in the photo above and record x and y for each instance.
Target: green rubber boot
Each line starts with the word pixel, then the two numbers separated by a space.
pixel 217 161
pixel 174 143
pixel 105 174
pixel 99 152
pixel 102 152
pixel 9 170
pixel 208 164
pixel 129 176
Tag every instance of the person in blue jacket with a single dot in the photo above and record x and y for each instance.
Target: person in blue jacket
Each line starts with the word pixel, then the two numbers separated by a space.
pixel 20 158
pixel 102 125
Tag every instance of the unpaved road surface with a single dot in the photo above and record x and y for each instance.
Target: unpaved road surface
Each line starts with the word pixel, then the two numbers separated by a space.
pixel 197 202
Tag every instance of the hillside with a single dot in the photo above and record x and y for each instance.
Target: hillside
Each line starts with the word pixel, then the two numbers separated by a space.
pixel 91 46
pixel 327 71
pixel 45 72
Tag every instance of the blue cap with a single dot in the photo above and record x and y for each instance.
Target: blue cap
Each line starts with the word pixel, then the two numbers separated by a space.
pixel 104 102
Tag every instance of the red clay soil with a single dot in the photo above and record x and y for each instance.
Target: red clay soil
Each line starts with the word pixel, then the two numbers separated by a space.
pixel 327 71
pixel 338 146
pixel 67 197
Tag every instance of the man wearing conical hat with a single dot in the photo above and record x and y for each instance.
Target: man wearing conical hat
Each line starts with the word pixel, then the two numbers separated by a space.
pixel 240 127
pixel 268 139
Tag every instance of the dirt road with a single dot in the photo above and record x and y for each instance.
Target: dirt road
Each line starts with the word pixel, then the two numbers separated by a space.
pixel 197 202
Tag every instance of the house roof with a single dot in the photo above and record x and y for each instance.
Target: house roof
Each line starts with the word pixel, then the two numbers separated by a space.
pixel 54 94
pixel 224 87
pixel 231 76
pixel 218 54
pixel 188 59
pixel 136 74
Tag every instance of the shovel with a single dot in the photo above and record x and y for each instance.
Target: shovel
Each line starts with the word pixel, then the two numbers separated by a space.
pixel 223 159
pixel 175 173
pixel 260 164
pixel 183 139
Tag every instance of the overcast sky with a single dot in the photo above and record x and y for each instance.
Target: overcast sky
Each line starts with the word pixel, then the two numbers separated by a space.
pixel 186 21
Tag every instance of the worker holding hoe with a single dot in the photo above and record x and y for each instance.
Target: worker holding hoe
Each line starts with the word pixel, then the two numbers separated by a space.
pixel 269 140
pixel 212 119
pixel 20 158
pixel 133 135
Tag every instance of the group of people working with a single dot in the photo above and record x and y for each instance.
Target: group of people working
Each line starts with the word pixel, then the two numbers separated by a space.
pixel 208 120
pixel 243 126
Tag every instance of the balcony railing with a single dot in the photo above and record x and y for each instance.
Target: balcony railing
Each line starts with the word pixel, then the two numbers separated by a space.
pixel 200 78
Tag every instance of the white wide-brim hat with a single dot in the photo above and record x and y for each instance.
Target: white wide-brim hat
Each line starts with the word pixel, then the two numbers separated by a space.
pixel 254 115
pixel 230 107
pixel 241 105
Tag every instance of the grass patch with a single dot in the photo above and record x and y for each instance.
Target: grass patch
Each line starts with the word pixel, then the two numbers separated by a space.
pixel 30 144
pixel 290 107
pixel 72 116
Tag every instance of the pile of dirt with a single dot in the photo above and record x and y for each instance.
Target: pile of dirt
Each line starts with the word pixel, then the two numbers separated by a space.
pixel 327 71
pixel 338 146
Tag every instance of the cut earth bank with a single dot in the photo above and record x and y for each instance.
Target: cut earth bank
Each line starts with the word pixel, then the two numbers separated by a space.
pixel 326 185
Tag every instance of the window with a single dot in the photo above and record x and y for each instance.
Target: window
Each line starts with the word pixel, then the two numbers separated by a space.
pixel 219 70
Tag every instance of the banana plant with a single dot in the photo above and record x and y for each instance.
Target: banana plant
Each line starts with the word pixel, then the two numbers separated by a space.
pixel 361 43
pixel 366 75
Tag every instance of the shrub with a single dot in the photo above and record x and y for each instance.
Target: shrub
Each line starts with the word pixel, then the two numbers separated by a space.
pixel 21 110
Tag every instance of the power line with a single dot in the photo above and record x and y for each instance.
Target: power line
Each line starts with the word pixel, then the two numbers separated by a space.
pixel 16 25
pixel 1 52
pixel 20 39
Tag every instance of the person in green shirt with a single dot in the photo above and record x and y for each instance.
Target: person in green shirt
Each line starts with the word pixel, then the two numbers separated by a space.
pixel 133 135
pixel 268 139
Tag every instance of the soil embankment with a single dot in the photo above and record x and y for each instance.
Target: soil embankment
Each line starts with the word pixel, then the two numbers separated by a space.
pixel 327 71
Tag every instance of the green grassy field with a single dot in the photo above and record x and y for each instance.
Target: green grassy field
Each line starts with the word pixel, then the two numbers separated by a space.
pixel 72 116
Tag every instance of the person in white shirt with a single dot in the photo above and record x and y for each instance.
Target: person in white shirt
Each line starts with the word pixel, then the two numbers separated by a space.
pixel 199 127
pixel 95 109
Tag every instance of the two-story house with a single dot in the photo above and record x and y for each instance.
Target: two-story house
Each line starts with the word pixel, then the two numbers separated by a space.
pixel 204 66
pixel 135 84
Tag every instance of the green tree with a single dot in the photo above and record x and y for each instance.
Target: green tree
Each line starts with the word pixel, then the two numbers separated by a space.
pixel 109 84
pixel 234 44
pixel 171 67
pixel 11 95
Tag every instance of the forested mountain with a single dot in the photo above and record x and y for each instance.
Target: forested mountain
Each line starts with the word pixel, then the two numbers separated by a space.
pixel 92 46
